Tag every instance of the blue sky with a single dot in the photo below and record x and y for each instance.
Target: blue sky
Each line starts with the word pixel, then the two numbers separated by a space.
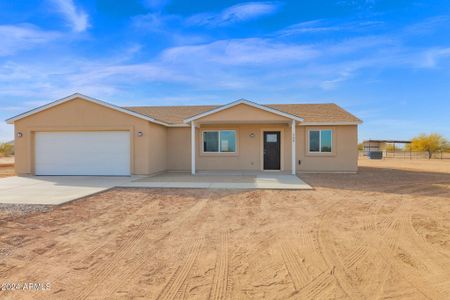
pixel 387 61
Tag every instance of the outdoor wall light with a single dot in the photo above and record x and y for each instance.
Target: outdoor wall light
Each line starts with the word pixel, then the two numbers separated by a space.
pixel 140 133
pixel 19 134
pixel 252 135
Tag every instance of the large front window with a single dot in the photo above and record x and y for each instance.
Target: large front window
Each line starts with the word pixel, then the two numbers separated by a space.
pixel 223 141
pixel 320 141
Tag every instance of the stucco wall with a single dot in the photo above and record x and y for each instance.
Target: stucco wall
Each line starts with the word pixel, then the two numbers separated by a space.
pixel 249 152
pixel 149 152
pixel 179 149
pixel 344 156
pixel 243 113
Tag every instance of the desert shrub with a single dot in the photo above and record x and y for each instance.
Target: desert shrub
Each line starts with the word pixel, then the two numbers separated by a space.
pixel 6 149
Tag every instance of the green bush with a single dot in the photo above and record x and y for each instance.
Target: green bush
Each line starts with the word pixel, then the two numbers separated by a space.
pixel 6 149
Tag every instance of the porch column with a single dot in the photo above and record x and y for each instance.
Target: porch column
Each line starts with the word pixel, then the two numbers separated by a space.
pixel 193 147
pixel 293 150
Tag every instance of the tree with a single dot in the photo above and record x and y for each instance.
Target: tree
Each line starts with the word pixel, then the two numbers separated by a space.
pixel 360 146
pixel 429 143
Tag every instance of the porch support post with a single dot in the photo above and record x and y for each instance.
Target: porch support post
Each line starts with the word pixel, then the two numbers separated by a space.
pixel 193 147
pixel 293 150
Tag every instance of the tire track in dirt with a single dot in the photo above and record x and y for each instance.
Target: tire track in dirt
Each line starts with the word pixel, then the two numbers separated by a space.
pixel 435 261
pixel 317 286
pixel 101 272
pixel 191 216
pixel 388 227
pixel 331 257
pixel 310 243
pixel 373 224
pixel 295 266
pixel 221 276
pixel 334 261
pixel 178 279
pixel 387 234
pixel 83 258
pixel 386 241
pixel 388 244
pixel 355 256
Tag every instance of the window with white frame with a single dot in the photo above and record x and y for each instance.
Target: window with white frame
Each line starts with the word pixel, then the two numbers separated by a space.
pixel 320 141
pixel 219 141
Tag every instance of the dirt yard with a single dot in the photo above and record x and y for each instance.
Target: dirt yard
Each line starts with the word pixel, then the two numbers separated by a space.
pixel 7 166
pixel 427 165
pixel 382 233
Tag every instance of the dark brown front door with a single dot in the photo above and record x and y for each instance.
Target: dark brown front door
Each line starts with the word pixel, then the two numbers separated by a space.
pixel 272 150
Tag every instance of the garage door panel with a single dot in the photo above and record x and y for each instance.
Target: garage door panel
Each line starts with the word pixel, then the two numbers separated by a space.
pixel 82 153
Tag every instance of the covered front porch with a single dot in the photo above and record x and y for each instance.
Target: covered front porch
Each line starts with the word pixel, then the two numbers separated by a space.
pixel 244 136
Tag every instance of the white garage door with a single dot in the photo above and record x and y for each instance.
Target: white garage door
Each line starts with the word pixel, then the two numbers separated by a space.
pixel 82 153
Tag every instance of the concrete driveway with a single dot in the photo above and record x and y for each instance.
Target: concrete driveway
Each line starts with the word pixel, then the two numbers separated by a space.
pixel 53 190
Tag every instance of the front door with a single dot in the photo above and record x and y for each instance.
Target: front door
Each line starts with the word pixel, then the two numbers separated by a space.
pixel 272 150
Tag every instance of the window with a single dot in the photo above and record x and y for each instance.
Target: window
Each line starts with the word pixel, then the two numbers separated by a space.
pixel 223 141
pixel 320 140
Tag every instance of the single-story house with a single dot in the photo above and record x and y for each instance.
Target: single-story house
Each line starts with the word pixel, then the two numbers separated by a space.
pixel 80 135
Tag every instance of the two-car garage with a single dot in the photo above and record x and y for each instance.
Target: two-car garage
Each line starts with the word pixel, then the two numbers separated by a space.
pixel 82 153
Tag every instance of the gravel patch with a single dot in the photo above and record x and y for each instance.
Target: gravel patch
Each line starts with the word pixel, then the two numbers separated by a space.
pixel 18 210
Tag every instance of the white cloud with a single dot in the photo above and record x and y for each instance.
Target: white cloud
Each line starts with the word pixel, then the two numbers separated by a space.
pixel 333 83
pixel 23 36
pixel 432 56
pixel 320 26
pixel 240 52
pixel 428 25
pixel 314 26
pixel 234 14
pixel 76 17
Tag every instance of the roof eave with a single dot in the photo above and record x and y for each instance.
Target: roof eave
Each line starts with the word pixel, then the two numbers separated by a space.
pixel 330 123
pixel 87 98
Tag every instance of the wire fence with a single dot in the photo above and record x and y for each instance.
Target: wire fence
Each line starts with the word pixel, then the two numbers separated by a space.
pixel 400 154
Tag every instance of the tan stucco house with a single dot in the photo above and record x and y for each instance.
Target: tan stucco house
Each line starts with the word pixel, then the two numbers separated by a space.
pixel 80 135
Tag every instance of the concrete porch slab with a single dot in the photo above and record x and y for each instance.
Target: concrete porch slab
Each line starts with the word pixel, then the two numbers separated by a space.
pixel 222 180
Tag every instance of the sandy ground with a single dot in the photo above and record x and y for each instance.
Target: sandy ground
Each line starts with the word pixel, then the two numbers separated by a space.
pixel 7 170
pixel 378 234
pixel 433 165
pixel 7 166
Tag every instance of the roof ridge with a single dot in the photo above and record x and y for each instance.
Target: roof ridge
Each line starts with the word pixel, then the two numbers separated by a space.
pixel 173 105
pixel 209 105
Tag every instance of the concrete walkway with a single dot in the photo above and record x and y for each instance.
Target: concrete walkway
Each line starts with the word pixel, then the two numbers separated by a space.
pixel 53 190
